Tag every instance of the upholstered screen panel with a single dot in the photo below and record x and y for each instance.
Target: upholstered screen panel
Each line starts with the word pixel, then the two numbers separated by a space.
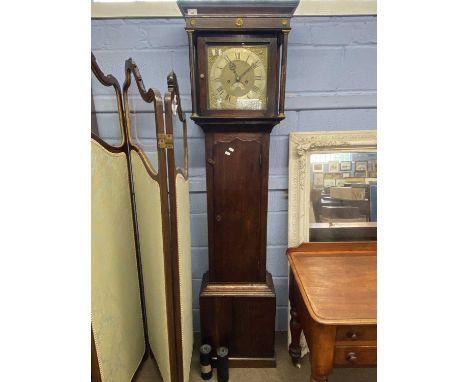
pixel 115 301
pixel 148 202
pixel 185 270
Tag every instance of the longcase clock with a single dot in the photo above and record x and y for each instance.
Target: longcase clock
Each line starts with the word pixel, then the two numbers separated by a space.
pixel 238 73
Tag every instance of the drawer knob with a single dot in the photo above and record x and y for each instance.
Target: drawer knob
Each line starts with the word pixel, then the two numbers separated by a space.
pixel 218 218
pixel 351 357
pixel 352 335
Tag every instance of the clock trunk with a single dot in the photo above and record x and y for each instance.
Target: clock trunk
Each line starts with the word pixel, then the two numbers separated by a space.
pixel 237 194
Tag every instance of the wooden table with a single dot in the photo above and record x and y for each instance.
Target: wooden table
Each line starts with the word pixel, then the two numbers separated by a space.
pixel 333 300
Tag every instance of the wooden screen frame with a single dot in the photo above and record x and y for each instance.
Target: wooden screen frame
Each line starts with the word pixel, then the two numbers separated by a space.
pixel 109 80
pixel 165 175
pixel 124 147
pixel 171 95
pixel 154 97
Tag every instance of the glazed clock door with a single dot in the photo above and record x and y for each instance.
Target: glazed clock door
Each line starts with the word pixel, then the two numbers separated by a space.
pixel 237 190
pixel 237 75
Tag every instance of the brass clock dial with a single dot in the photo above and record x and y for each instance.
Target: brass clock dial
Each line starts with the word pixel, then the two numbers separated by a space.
pixel 237 77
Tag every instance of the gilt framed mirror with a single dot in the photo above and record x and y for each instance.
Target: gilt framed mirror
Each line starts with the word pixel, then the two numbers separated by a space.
pixel 332 186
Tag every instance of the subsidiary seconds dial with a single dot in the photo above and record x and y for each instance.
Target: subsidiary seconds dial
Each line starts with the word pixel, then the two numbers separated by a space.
pixel 237 77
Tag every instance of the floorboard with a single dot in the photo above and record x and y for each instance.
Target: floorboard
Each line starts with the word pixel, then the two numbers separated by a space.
pixel 284 372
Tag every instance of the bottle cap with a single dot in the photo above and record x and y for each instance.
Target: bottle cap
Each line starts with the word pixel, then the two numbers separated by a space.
pixel 205 349
pixel 222 351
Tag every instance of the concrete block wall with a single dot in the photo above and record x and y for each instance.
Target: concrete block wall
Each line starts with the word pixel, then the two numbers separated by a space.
pixel 331 85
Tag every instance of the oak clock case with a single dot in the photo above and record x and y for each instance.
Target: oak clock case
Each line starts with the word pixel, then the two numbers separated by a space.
pixel 237 297
pixel 237 70
pixel 237 73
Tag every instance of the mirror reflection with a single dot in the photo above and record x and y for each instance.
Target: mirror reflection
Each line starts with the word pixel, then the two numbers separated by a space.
pixel 343 188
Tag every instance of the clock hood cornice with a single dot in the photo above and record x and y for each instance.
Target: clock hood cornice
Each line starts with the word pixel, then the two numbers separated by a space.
pixel 237 15
pixel 250 8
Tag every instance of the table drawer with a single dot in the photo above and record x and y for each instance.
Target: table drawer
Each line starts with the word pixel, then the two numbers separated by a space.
pixel 356 333
pixel 349 356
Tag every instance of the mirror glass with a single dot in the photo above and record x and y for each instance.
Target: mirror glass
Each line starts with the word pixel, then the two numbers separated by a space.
pixel 343 189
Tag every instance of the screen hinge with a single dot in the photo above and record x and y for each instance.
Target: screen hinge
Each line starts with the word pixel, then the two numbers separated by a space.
pixel 165 141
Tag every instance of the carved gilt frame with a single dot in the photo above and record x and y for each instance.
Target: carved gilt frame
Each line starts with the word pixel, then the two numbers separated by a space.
pixel 301 145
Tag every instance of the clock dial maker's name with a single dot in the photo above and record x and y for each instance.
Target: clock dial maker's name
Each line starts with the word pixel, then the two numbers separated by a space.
pixel 237 77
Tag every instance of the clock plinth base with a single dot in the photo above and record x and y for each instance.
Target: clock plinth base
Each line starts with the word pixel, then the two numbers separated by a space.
pixel 240 316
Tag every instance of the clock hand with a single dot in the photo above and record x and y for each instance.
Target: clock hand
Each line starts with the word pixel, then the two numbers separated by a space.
pixel 232 67
pixel 253 66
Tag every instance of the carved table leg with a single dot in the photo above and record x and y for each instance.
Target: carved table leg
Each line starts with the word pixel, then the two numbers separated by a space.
pixel 318 374
pixel 322 351
pixel 318 379
pixel 295 325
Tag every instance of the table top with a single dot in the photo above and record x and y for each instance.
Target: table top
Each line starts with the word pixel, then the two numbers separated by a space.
pixel 337 281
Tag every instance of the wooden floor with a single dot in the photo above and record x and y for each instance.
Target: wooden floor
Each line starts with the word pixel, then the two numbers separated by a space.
pixel 284 371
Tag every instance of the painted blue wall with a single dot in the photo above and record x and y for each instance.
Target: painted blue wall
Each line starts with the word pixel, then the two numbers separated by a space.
pixel 331 85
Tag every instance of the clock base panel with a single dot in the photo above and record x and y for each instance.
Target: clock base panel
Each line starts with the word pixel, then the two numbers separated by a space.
pixel 240 316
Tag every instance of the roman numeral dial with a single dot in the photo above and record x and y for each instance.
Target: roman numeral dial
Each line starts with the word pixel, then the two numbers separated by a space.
pixel 237 77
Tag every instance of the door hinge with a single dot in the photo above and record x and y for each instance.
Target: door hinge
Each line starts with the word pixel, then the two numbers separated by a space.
pixel 165 141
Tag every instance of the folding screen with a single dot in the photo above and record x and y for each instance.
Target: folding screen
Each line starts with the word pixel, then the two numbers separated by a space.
pixel 158 180
pixel 144 118
pixel 176 127
pixel 116 311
